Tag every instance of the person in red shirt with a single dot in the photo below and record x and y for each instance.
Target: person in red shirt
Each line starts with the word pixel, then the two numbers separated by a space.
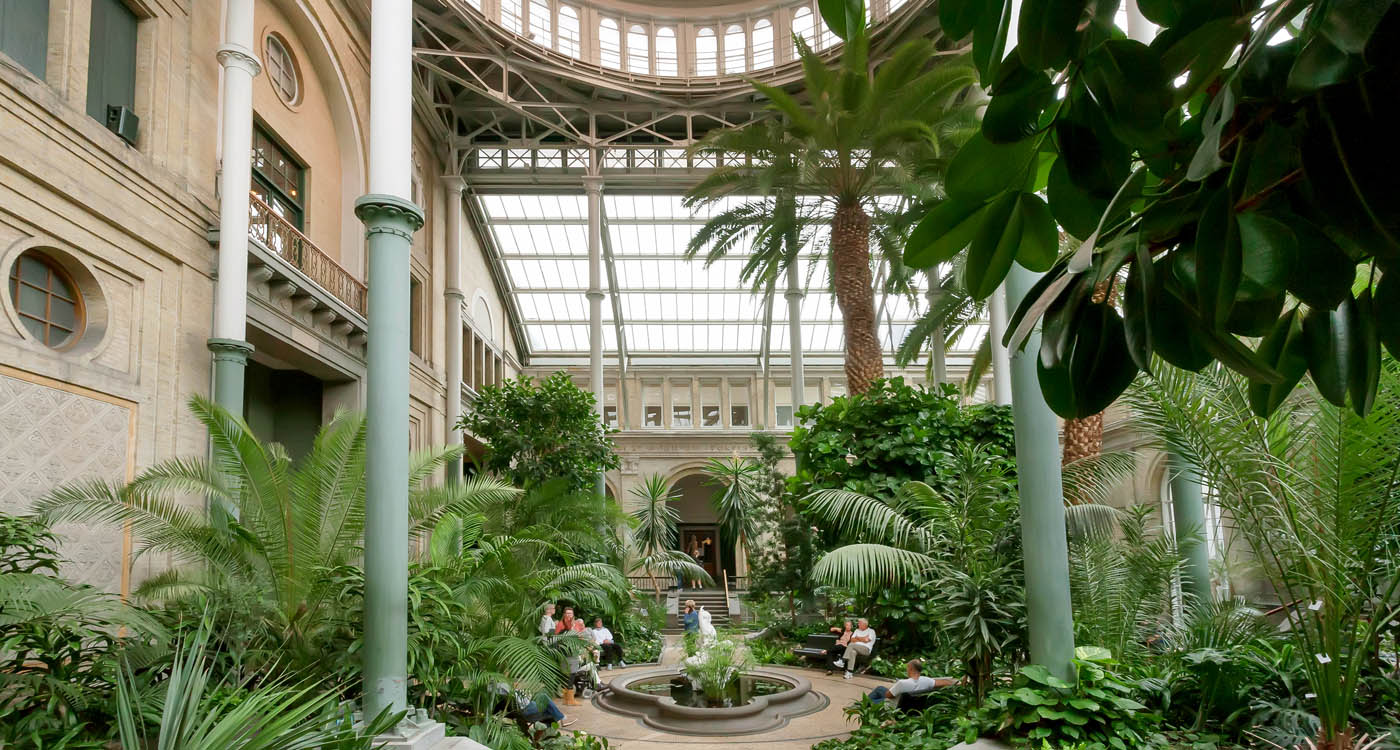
pixel 569 622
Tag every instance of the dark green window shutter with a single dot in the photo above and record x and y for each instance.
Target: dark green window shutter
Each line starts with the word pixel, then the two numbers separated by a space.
pixel 111 58
pixel 24 33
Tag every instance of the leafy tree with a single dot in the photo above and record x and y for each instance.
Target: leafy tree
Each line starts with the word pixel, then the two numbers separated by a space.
pixel 1313 491
pixel 534 433
pixel 874 442
pixel 1232 177
pixel 738 499
pixel 288 523
pixel 828 161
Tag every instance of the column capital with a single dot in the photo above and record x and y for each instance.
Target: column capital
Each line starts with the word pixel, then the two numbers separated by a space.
pixel 454 183
pixel 593 183
pixel 381 213
pixel 230 350
pixel 794 293
pixel 240 57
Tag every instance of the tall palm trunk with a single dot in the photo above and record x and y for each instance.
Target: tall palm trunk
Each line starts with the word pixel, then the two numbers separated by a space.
pixel 855 293
pixel 1083 437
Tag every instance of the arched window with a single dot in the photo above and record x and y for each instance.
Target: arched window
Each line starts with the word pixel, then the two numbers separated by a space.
pixel 638 49
pixel 281 69
pixel 540 23
pixel 667 64
pixel 510 15
pixel 802 26
pixel 568 30
pixel 827 37
pixel 706 52
pixel 609 44
pixel 735 56
pixel 46 299
pixel 763 44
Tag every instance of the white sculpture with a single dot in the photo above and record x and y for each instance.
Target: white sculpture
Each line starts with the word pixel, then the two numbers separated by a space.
pixel 708 635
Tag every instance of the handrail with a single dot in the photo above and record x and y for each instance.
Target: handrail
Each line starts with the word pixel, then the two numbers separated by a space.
pixel 725 574
pixel 278 235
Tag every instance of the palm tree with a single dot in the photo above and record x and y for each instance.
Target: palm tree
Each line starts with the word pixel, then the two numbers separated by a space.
pixel 652 544
pixel 831 160
pixel 287 523
pixel 738 500
pixel 1314 492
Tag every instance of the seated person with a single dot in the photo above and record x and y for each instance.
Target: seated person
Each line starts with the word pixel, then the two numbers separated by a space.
pixel 861 643
pixel 690 618
pixel 519 703
pixel 610 652
pixel 568 622
pixel 834 653
pixel 547 621
pixel 916 682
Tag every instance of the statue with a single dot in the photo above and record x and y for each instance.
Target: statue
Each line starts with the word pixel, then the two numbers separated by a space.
pixel 708 634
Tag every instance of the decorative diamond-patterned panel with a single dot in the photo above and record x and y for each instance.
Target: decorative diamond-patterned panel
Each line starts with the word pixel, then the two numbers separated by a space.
pixel 49 437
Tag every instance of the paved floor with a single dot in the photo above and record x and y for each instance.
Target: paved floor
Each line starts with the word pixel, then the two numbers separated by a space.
pixel 800 733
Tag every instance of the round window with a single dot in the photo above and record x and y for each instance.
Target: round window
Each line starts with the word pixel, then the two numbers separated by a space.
pixel 281 69
pixel 46 299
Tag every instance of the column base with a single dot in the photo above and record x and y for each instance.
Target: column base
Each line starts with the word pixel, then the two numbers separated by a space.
pixel 230 362
pixel 424 734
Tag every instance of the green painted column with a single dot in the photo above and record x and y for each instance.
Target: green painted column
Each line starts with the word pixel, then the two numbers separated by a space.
pixel 230 364
pixel 389 226
pixel 1043 542
pixel 1189 520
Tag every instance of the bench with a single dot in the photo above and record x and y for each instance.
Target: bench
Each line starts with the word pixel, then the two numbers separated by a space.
pixel 816 648
pixel 914 703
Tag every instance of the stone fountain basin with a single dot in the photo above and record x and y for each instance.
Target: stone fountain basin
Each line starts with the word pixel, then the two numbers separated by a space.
pixel 762 714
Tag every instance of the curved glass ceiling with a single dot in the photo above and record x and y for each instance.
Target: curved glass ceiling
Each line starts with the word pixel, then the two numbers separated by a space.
pixel 668 305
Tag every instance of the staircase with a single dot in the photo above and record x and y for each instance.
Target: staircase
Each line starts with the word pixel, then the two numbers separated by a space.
pixel 713 601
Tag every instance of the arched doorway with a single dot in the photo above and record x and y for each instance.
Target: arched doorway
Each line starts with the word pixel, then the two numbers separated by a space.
pixel 700 533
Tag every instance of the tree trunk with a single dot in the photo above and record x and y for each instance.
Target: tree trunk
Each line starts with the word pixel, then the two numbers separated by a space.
pixel 855 293
pixel 1083 437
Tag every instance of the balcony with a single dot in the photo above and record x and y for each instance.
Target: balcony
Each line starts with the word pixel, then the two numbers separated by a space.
pixel 288 243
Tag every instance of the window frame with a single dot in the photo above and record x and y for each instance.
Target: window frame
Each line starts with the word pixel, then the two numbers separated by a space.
pixel 291 68
pixel 268 184
pixel 53 271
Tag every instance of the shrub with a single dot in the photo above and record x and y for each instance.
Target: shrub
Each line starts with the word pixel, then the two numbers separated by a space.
pixel 1098 708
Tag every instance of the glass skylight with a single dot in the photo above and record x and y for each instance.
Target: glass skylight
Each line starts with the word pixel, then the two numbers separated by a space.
pixel 668 304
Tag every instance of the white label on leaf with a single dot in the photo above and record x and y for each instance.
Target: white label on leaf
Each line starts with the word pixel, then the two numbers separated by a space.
pixel 1309 696
pixel 1323 659
pixel 1315 606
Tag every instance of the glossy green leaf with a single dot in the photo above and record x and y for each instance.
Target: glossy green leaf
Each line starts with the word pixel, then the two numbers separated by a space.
pixel 994 247
pixel 1201 54
pixel 1018 100
pixel 1282 350
pixel 1138 291
pixel 1096 164
pixel 1219 260
pixel 989 38
pixel 1328 338
pixel 982 169
pixel 838 15
pixel 1057 327
pixel 1098 369
pixel 1365 373
pixel 1349 24
pixel 1127 80
pixel 1321 64
pixel 959 17
pixel 1045 31
pixel 943 233
pixel 1040 244
pixel 1206 161
pixel 1385 309
pixel 1254 317
pixel 1322 274
pixel 1270 252
pixel 1076 210
pixel 1175 340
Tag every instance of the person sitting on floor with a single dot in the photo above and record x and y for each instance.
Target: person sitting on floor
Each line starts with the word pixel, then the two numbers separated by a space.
pixel 610 652
pixel 862 643
pixel 528 708
pixel 916 682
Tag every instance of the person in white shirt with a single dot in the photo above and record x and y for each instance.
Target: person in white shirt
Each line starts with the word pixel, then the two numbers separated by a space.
pixel 916 682
pixel 609 650
pixel 547 622
pixel 861 643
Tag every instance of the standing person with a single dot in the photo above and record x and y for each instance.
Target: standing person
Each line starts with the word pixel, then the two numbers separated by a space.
pixel 547 621
pixel 861 644
pixel 915 682
pixel 697 553
pixel 609 650
pixel 691 618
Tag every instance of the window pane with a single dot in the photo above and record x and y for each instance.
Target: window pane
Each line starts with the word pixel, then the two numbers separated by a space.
pixel 651 402
pixel 32 302
pixel 111 58
pixel 24 33
pixel 782 396
pixel 802 26
pixel 763 45
pixel 539 23
pixel 63 313
pixel 706 52
pixel 33 271
pixel 734 52
pixel 739 415
pixel 709 404
pixel 510 15
pixel 568 31
pixel 667 63
pixel 36 329
pixel 610 44
pixel 784 416
pixel 680 403
pixel 739 404
pixel 638 50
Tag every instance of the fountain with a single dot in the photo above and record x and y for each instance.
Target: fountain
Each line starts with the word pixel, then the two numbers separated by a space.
pixel 716 692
